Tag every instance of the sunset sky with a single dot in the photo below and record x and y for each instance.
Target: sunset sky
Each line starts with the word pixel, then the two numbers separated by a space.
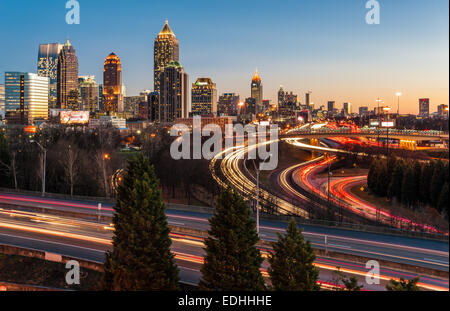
pixel 323 46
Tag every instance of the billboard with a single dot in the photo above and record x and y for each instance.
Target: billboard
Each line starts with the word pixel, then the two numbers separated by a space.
pixel 387 124
pixel 74 117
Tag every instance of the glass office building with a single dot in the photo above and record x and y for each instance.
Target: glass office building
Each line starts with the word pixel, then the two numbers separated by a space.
pixel 2 101
pixel 166 50
pixel 47 66
pixel 26 97
pixel 204 97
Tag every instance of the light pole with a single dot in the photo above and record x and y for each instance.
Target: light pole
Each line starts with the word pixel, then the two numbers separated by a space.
pixel 398 94
pixel 257 196
pixel 45 164
pixel 386 110
pixel 378 114
pixel 329 180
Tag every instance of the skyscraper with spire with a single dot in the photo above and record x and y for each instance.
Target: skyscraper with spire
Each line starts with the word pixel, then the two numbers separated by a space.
pixel 166 50
pixel 67 80
pixel 257 93
pixel 112 85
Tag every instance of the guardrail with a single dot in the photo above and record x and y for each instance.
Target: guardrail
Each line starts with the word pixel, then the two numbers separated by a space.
pixel 434 134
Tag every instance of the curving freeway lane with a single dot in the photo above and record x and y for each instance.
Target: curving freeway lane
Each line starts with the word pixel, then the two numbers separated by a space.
pixel 90 240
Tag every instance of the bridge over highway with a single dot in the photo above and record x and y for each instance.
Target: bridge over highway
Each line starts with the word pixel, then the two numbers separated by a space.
pixel 397 134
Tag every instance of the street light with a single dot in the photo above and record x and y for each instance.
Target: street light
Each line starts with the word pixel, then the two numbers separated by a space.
pixel 45 164
pixel 257 196
pixel 398 94
pixel 378 114
pixel 386 110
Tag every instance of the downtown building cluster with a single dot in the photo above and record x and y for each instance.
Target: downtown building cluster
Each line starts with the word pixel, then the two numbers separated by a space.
pixel 58 93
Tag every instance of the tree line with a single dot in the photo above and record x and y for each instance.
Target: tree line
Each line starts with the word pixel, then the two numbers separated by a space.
pixel 75 164
pixel 141 258
pixel 81 161
pixel 411 182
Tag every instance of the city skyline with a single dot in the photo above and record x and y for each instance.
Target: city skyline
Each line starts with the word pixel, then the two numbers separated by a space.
pixel 335 55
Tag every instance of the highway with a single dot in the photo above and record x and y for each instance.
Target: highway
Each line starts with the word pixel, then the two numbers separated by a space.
pixel 24 229
pixel 89 240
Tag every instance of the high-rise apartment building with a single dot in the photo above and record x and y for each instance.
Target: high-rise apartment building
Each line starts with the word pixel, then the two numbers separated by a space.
pixel 47 66
pixel 67 78
pixel 112 101
pixel 204 97
pixel 174 96
pixel 88 93
pixel 228 104
pixel 166 50
pixel 424 107
pixel 26 97
pixel 257 93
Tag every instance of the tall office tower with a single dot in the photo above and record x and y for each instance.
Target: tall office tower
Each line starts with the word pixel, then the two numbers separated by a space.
pixel 112 85
pixel 174 96
pixel 153 107
pixel 67 78
pixel 166 50
pixel 228 104
pixel 204 97
pixel 281 97
pixel 257 93
pixel 2 101
pixel 26 97
pixel 347 109
pixel 442 110
pixel 132 104
pixel 331 106
pixel 290 100
pixel 100 97
pixel 424 107
pixel 88 93
pixel 308 102
pixel 47 66
pixel 250 106
pixel 363 111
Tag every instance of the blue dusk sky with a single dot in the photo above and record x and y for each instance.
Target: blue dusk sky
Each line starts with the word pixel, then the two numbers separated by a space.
pixel 323 46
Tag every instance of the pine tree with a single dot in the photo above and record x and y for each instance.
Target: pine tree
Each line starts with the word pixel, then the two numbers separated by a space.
pixel 291 264
pixel 425 181
pixel 382 179
pixel 417 178
pixel 408 187
pixel 372 176
pixel 395 188
pixel 403 285
pixel 232 261
pixel 443 200
pixel 437 182
pixel 141 257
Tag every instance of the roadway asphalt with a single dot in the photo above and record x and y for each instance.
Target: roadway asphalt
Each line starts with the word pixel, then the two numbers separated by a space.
pixel 90 240
pixel 414 251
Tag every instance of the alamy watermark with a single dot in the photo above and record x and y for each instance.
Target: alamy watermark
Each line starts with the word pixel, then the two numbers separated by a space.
pixel 373 15
pixel 261 141
pixel 373 275
pixel 73 15
pixel 73 275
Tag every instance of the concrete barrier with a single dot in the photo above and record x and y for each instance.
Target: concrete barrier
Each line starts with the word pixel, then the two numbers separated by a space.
pixel 32 253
